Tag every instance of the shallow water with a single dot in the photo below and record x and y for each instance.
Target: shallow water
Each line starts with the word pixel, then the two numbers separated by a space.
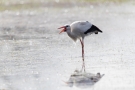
pixel 34 56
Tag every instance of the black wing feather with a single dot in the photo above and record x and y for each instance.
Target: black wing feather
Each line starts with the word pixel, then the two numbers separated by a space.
pixel 93 29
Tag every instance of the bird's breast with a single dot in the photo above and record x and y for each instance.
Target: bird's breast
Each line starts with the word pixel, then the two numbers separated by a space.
pixel 72 36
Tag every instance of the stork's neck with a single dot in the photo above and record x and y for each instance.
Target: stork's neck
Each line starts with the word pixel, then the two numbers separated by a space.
pixel 71 35
pixel 69 31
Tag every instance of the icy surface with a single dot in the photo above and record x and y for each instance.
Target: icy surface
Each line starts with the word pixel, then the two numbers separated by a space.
pixel 34 56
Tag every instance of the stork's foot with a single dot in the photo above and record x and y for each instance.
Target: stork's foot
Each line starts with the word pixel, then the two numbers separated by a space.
pixel 83 67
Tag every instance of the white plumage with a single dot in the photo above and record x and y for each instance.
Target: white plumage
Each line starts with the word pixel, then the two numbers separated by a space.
pixel 78 28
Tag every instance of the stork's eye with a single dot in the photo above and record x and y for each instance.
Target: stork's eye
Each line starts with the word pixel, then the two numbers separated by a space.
pixel 67 26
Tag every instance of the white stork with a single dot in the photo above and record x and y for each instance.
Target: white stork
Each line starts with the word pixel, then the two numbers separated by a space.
pixel 78 30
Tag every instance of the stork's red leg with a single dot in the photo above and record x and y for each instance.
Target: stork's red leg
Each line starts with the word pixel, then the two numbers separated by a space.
pixel 82 43
pixel 82 49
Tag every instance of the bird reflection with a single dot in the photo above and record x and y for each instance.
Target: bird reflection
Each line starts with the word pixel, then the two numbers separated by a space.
pixel 83 80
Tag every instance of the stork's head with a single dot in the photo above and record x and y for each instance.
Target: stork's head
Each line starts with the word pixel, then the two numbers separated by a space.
pixel 64 28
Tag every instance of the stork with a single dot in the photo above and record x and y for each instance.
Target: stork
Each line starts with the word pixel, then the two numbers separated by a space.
pixel 78 30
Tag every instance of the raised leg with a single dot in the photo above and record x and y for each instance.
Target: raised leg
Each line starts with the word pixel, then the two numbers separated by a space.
pixel 83 65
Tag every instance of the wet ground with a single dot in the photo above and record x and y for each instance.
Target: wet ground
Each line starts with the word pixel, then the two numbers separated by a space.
pixel 34 56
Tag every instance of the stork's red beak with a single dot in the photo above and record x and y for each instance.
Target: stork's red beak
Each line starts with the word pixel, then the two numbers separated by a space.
pixel 63 29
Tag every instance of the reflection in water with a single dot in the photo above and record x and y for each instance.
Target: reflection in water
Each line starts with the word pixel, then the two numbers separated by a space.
pixel 83 79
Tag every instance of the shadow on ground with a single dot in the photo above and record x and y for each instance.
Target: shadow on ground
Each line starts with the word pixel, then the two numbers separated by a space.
pixel 83 79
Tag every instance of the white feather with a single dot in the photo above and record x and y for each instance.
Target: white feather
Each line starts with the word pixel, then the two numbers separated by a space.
pixel 80 26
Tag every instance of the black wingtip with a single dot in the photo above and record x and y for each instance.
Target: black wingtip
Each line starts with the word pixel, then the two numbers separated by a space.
pixel 100 31
pixel 97 29
pixel 93 29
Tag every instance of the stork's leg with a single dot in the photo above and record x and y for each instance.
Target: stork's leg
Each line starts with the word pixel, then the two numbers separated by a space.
pixel 83 65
